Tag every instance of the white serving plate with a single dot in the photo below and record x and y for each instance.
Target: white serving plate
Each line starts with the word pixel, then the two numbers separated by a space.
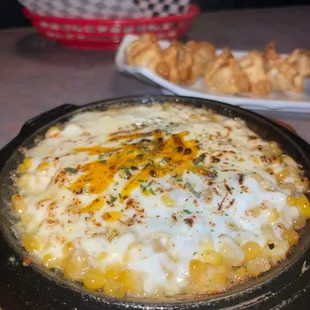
pixel 276 101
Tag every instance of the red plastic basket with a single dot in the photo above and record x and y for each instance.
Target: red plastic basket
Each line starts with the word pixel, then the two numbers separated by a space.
pixel 108 33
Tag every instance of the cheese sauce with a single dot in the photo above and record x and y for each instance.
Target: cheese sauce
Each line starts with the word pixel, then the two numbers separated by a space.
pixel 161 200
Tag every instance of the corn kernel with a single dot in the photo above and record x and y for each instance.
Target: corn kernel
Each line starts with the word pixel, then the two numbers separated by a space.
pixel 18 204
pixel 212 258
pixel 168 201
pixel 233 255
pixel 291 200
pixel 198 271
pixel 50 261
pixel 299 223
pixel 112 216
pixel 282 175
pixel 43 167
pixel 257 266
pixel 251 250
pixel 218 282
pixel 273 216
pixel 31 243
pixel 304 206
pixel 76 266
pixel 52 132
pixel 132 282
pixel 94 279
pixel 67 249
pixel 113 271
pixel 288 160
pixel 291 236
pixel 114 288
pixel 275 251
pixel 23 167
pixel 255 212
pixel 256 160
pixel 239 274
pixel 101 256
pixel 275 149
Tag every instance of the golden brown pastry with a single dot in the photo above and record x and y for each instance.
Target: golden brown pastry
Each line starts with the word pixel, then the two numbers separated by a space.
pixel 203 53
pixel 169 68
pixel 253 65
pixel 300 59
pixel 144 52
pixel 282 73
pixel 225 75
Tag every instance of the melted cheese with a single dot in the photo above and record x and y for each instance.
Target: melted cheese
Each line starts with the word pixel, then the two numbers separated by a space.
pixel 150 187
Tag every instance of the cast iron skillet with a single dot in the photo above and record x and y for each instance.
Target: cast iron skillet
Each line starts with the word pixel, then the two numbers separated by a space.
pixel 285 286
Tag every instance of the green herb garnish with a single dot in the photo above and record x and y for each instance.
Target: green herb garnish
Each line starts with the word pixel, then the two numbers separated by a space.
pixel 192 190
pixel 113 198
pixel 71 170
pixel 186 211
pixel 199 159
pixel 127 171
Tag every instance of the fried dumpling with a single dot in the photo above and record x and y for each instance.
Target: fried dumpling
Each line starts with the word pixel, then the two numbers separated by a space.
pixel 225 75
pixel 253 65
pixel 144 52
pixel 282 72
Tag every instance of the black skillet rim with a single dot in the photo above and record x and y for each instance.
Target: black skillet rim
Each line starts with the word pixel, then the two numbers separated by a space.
pixel 233 302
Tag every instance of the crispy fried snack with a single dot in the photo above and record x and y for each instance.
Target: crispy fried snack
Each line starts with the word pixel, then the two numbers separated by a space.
pixel 145 52
pixel 300 59
pixel 282 73
pixel 203 53
pixel 169 67
pixel 225 75
pixel 253 65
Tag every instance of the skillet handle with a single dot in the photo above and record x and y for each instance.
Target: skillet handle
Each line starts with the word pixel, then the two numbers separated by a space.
pixel 35 123
pixel 40 120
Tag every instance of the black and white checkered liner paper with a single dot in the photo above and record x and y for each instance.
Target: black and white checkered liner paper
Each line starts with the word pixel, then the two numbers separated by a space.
pixel 154 8
pixel 106 9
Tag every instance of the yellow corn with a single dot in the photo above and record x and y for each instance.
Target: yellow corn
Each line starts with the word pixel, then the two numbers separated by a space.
pixel 304 206
pixel 251 250
pixel 101 256
pixel 18 204
pixel 168 201
pixel 31 243
pixel 43 167
pixel 198 271
pixel 256 160
pixel 240 274
pixel 212 258
pixel 257 266
pixel 218 282
pixel 50 261
pixel 282 175
pixel 231 255
pixel 94 279
pixel 112 216
pixel 255 212
pixel 77 265
pixel 113 271
pixel 273 216
pixel 291 236
pixel 300 222
pixel 291 200
pixel 132 282
pixel 114 288
pixel 67 249
pixel 23 167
